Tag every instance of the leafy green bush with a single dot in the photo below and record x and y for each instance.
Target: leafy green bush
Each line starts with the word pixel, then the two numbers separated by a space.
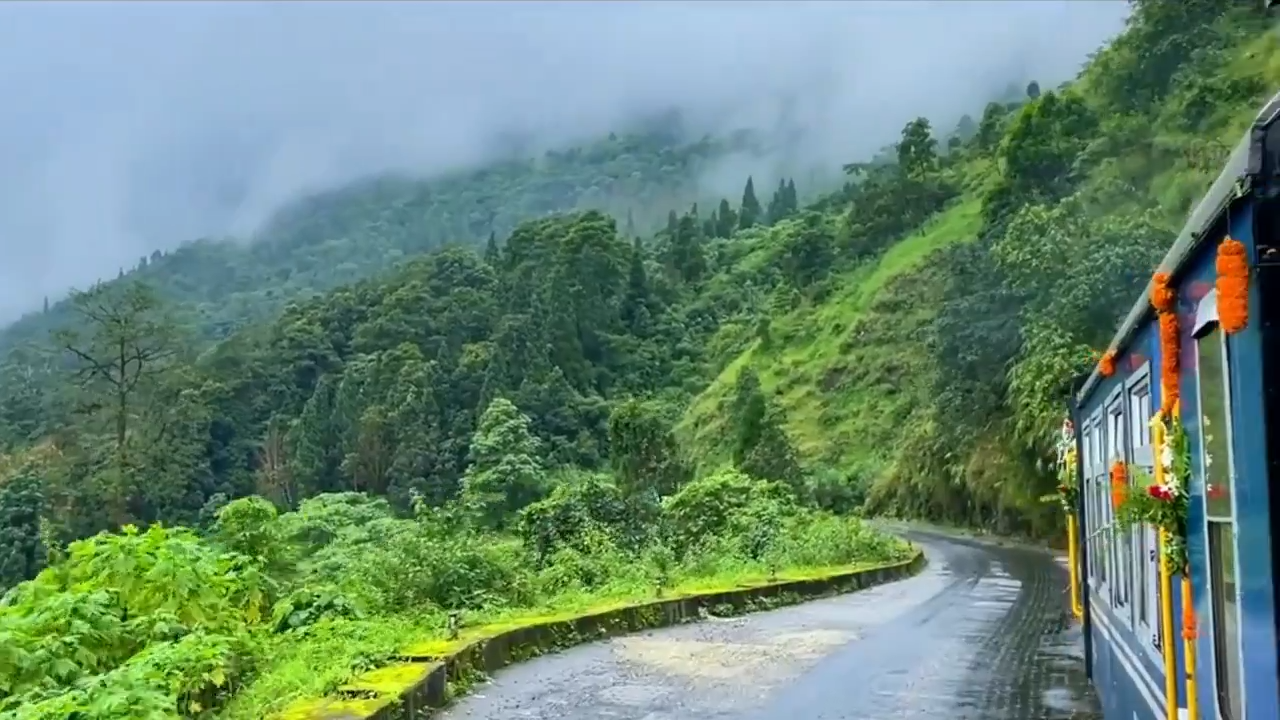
pixel 581 504
pixel 728 504
pixel 162 623
pixel 130 623
pixel 396 564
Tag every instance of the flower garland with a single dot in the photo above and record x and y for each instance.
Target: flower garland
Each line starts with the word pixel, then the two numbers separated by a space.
pixel 1162 501
pixel 1107 365
pixel 1068 464
pixel 1163 297
pixel 1232 286
pixel 1165 301
pixel 1119 484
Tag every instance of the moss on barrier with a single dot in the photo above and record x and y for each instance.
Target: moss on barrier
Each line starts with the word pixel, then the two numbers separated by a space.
pixel 432 673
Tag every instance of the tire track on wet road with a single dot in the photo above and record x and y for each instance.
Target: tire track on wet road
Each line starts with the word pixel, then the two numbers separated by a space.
pixel 982 634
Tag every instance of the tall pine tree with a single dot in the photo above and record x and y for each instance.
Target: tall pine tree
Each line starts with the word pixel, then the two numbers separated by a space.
pixel 491 253
pixel 726 219
pixel 749 214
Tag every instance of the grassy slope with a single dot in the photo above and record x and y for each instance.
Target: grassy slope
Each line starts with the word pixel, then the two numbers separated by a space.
pixel 851 369
pixel 843 394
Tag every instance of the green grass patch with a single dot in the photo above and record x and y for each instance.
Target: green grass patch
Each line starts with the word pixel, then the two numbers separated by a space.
pixel 839 367
pixel 387 683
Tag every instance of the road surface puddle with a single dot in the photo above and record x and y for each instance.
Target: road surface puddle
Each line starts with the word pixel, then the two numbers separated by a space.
pixel 703 660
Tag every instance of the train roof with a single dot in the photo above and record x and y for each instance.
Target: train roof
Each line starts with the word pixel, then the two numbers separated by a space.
pixel 1245 163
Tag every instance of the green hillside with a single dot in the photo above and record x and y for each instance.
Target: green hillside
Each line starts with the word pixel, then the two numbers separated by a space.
pixel 934 374
pixel 338 237
pixel 250 500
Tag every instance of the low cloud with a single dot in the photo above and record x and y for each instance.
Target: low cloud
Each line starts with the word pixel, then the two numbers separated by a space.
pixel 129 127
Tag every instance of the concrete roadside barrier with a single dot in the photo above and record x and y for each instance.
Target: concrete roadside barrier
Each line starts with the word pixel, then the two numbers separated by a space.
pixel 430 675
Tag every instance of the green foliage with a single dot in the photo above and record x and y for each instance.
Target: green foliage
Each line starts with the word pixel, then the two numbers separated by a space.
pixel 929 374
pixel 749 211
pixel 356 232
pixel 309 605
pixel 579 505
pixel 505 474
pixel 22 549
pixel 917 151
pixel 163 624
pixel 761 447
pixel 643 450
pixel 248 526
pixel 149 622
pixel 728 504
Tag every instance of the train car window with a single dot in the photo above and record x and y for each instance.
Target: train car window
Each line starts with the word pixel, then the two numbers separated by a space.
pixel 1140 416
pixel 1211 379
pixel 1143 539
pixel 1121 554
pixel 1104 505
pixel 1091 518
pixel 1087 488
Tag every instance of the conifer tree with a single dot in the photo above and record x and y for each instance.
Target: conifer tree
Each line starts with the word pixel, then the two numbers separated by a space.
pixel 727 219
pixel 491 253
pixel 749 214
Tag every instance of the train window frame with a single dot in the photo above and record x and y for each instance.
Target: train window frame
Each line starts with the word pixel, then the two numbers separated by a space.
pixel 1143 549
pixel 1207 326
pixel 1120 551
pixel 1089 522
pixel 1101 528
pixel 1089 465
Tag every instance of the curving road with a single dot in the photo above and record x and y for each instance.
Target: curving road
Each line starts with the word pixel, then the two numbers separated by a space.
pixel 981 634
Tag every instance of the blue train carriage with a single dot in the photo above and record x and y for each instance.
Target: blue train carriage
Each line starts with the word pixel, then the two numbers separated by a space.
pixel 1199 353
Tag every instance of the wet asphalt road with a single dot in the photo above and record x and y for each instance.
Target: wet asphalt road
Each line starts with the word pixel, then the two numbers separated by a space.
pixel 982 634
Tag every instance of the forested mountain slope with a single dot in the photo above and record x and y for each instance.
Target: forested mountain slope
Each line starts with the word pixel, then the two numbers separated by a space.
pixel 933 375
pixel 333 238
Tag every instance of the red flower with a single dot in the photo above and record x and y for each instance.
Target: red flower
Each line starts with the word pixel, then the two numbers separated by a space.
pixel 1159 492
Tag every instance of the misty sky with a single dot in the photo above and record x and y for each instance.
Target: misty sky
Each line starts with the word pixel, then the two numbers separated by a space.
pixel 126 127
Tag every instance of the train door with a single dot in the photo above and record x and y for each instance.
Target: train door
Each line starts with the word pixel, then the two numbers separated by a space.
pixel 1218 474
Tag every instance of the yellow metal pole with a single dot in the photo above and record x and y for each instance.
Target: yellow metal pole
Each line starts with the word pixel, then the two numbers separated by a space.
pixel 1189 646
pixel 1167 639
pixel 1166 633
pixel 1073 566
pixel 1188 625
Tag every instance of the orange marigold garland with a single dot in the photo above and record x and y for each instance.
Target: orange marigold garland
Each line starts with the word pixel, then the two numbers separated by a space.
pixel 1107 365
pixel 1189 631
pixel 1168 361
pixel 1232 286
pixel 1119 484
pixel 1163 297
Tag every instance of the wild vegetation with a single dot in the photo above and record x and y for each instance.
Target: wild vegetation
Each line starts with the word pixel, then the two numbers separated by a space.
pixel 232 491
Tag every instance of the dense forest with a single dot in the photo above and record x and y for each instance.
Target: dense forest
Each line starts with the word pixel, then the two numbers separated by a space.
pixel 217 286
pixel 240 473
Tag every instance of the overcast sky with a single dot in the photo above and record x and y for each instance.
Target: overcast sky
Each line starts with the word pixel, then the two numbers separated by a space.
pixel 125 127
